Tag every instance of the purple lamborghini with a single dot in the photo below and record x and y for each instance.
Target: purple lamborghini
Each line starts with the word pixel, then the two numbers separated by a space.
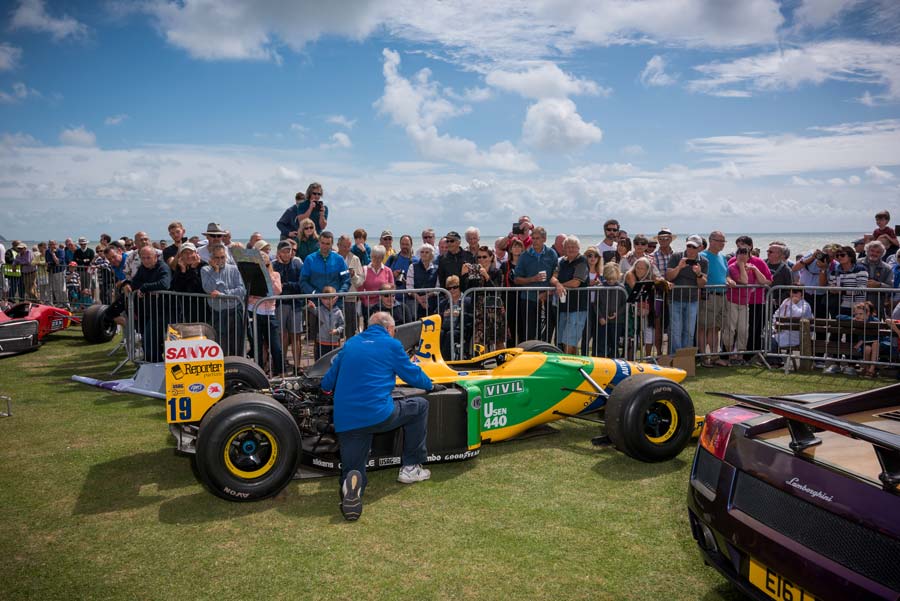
pixel 796 498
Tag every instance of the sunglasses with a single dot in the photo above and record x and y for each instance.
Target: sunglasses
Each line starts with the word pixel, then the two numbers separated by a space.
pixel 215 236
pixel 483 257
pixel 452 287
pixel 315 194
pixel 387 237
pixel 612 229
pixel 840 254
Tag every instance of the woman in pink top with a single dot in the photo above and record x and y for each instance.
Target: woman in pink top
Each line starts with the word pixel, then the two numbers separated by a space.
pixel 737 309
pixel 377 275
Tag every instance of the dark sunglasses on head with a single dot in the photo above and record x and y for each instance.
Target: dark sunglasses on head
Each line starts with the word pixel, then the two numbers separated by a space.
pixel 452 287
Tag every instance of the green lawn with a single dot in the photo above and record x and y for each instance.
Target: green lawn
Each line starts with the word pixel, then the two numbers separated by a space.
pixel 95 504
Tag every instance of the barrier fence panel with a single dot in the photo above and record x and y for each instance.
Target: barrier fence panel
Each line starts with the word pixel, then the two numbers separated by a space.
pixel 147 317
pixel 844 329
pixel 594 320
pixel 73 287
pixel 289 333
pixel 730 324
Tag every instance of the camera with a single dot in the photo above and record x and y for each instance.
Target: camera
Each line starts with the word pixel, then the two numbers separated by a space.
pixel 820 256
pixel 517 228
pixel 474 272
pixel 690 261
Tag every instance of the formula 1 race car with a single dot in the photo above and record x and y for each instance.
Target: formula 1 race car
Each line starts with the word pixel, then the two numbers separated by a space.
pixel 24 326
pixel 249 436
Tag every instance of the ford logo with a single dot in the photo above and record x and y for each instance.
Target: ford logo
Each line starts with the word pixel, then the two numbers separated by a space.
pixel 196 387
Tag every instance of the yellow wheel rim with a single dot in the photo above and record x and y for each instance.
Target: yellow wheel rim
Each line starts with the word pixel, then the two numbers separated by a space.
pixel 661 421
pixel 250 452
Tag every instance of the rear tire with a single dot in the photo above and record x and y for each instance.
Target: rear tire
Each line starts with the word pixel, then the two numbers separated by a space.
pixel 248 448
pixel 243 375
pixel 539 346
pixel 649 418
pixel 95 326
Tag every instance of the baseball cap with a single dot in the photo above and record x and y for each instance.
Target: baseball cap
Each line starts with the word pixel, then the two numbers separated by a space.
pixel 73 264
pixel 284 244
pixel 695 241
pixel 453 234
pixel 82 240
pixel 186 246
pixel 387 234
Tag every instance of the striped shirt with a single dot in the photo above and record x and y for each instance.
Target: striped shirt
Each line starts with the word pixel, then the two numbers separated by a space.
pixel 856 277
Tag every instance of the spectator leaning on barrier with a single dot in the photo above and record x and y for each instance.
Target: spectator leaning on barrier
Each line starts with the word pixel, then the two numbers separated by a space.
pixel 880 275
pixel 152 276
pixel 186 277
pixel 687 271
pixel 357 277
pixel 571 276
pixel 660 259
pixel 290 312
pixel 757 301
pixel 846 273
pixel 28 270
pixel 222 279
pixel 377 274
pixel 536 266
pixel 711 311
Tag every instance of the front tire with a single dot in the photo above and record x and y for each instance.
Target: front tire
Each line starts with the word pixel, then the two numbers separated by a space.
pixel 650 418
pixel 248 448
pixel 95 326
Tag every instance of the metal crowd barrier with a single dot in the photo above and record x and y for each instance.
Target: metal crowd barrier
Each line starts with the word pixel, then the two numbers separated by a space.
pixel 820 327
pixel 594 320
pixel 147 317
pixel 73 287
pixel 289 333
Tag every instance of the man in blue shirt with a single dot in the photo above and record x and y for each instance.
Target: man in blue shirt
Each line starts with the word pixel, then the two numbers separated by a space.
pixel 536 266
pixel 362 377
pixel 711 313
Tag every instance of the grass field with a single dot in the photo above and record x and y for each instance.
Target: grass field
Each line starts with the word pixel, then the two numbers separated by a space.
pixel 94 504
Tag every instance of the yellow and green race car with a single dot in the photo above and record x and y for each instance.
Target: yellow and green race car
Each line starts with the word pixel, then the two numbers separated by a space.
pixel 249 436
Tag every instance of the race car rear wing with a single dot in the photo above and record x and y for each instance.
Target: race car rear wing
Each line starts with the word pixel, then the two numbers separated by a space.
pixel 802 424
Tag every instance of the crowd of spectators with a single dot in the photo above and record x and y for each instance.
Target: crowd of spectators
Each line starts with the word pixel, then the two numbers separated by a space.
pixel 573 294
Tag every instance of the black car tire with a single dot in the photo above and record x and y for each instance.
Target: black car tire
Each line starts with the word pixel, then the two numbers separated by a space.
pixel 243 375
pixel 248 448
pixel 95 326
pixel 649 418
pixel 539 346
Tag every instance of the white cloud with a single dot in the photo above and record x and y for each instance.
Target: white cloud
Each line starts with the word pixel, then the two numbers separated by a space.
pixel 77 136
pixel 854 179
pixel 287 174
pixel 880 176
pixel 115 119
pixel 19 92
pixel 31 15
pixel 299 129
pixel 339 140
pixel 341 120
pixel 418 106
pixel 841 147
pixel 9 57
pixel 840 60
pixel 634 150
pixel 501 31
pixel 816 13
pixel 545 80
pixel 553 124
pixel 654 74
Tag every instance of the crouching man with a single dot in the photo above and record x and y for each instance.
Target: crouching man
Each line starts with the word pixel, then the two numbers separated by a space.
pixel 362 377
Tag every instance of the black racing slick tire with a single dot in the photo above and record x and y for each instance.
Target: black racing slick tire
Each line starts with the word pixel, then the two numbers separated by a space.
pixel 243 375
pixel 248 448
pixel 95 326
pixel 649 418
pixel 539 346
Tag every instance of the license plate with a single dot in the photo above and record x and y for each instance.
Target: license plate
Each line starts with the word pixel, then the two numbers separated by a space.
pixel 775 585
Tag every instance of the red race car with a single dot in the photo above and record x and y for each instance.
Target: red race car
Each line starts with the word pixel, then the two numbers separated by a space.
pixel 24 326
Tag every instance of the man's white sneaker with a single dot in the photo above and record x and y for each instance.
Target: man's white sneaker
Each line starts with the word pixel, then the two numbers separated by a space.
pixel 413 473
pixel 351 496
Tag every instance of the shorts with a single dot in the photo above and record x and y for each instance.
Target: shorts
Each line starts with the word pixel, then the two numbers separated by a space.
pixel 711 313
pixel 571 327
pixel 290 315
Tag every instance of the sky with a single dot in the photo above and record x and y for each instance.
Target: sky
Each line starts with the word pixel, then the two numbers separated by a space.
pixel 743 115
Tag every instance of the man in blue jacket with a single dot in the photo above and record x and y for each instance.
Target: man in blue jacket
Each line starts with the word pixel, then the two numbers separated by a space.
pixel 362 377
